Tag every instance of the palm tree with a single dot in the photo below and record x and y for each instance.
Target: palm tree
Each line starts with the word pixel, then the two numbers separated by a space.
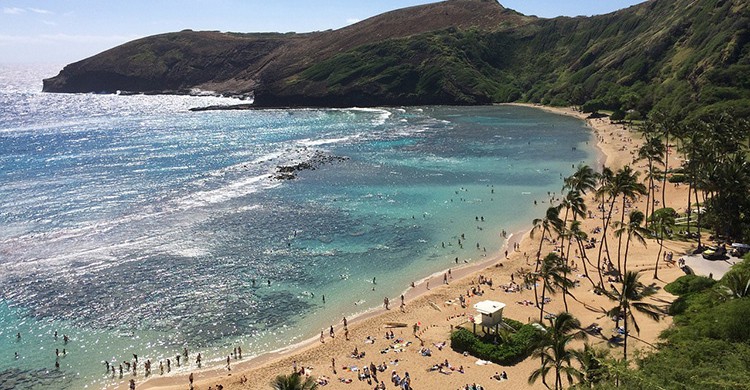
pixel 629 297
pixel 662 223
pixel 606 190
pixel 737 284
pixel 580 236
pixel 666 126
pixel 552 271
pixel 293 382
pixel 651 151
pixel 550 221
pixel 593 367
pixel 554 352
pixel 552 218
pixel 584 179
pixel 633 230
pixel 629 187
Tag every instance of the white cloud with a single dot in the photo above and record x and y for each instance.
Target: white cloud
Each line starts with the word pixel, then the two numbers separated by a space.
pixel 40 11
pixel 13 11
pixel 49 22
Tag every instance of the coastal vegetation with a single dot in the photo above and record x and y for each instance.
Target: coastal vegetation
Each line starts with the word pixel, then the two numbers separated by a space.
pixel 707 345
pixel 516 342
pixel 293 382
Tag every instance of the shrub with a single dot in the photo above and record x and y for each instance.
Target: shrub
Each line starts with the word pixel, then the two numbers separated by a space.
pixel 617 115
pixel 689 284
pixel 678 178
pixel 515 348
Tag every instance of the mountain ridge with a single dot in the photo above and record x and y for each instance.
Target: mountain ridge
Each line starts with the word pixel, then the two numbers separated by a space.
pixel 660 54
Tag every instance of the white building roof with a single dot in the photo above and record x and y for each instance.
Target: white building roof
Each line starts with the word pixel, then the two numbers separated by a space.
pixel 489 307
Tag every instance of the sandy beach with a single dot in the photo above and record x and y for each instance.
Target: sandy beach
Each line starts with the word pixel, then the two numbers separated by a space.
pixel 433 305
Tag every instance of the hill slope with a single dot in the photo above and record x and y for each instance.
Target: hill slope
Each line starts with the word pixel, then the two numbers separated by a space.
pixel 674 55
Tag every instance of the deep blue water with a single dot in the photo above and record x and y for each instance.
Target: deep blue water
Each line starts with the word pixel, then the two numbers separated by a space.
pixel 136 226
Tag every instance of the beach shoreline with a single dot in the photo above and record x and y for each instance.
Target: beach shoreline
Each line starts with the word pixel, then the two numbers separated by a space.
pixel 420 289
pixel 423 304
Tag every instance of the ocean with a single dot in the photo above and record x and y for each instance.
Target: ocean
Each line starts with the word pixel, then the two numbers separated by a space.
pixel 134 226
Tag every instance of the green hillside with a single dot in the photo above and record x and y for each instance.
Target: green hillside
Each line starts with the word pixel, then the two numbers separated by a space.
pixel 685 56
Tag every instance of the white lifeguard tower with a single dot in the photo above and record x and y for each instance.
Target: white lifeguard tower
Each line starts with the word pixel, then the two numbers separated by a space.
pixel 490 315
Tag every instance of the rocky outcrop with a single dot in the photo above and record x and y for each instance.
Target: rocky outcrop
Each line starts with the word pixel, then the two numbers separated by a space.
pixel 318 159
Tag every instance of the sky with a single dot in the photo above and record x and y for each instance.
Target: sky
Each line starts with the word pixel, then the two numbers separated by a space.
pixel 64 31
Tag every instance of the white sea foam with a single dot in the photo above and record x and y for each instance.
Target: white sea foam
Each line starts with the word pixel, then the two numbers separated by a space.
pixel 382 117
pixel 233 190
pixel 326 141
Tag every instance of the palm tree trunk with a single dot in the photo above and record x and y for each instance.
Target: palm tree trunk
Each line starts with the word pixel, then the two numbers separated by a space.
pixel 605 224
pixel 536 268
pixel 539 252
pixel 666 169
pixel 536 293
pixel 650 184
pixel 565 220
pixel 619 240
pixel 658 256
pixel 690 212
pixel 627 248
pixel 698 206
pixel 584 259
pixel 625 337
pixel 541 307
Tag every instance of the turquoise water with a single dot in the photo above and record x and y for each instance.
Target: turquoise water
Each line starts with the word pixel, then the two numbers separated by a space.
pixel 136 226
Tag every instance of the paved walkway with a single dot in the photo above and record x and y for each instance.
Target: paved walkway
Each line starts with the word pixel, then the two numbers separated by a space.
pixel 715 268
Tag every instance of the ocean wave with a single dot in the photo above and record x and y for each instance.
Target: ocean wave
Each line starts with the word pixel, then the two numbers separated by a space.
pixel 326 141
pixel 233 190
pixel 381 118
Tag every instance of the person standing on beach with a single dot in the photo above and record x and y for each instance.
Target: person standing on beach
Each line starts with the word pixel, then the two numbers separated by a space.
pixel 322 340
pixel 229 368
pixel 132 384
pixel 331 332
pixel 344 322
pixel 239 351
pixel 190 378
pixel 386 303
